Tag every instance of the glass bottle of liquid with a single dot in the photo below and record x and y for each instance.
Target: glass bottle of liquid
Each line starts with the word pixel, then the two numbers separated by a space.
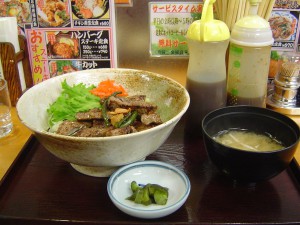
pixel 249 58
pixel 1 70
pixel 208 40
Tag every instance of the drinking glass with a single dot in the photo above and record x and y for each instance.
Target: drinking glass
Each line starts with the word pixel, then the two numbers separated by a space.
pixel 6 124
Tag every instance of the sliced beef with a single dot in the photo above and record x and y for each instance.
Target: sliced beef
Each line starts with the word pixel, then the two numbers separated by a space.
pixel 136 98
pixel 134 102
pixel 120 131
pixel 152 118
pixel 70 128
pixel 99 123
pixel 94 132
pixel 92 124
pixel 89 115
pixel 139 126
pixel 133 130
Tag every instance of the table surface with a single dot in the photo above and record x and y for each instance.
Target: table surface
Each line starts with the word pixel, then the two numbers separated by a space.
pixel 11 145
pixel 42 189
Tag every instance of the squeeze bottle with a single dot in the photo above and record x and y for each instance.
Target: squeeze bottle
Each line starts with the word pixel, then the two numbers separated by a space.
pixel 249 58
pixel 208 40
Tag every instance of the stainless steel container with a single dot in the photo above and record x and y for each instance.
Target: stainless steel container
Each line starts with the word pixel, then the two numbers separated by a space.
pixel 285 94
pixel 286 85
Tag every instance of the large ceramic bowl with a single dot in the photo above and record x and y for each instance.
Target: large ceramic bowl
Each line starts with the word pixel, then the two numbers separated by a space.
pixel 250 166
pixel 100 156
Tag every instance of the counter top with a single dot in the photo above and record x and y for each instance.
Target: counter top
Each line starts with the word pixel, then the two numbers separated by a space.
pixel 11 145
pixel 42 189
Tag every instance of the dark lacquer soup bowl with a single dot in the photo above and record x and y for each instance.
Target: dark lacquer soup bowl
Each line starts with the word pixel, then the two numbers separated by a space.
pixel 249 165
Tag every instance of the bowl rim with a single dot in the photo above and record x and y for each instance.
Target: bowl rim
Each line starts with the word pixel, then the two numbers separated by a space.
pixel 150 163
pixel 228 110
pixel 106 70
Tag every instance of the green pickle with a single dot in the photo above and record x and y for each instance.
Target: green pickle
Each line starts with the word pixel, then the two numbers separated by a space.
pixel 134 186
pixel 148 194
pixel 161 196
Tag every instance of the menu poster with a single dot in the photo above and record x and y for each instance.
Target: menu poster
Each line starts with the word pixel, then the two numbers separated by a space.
pixel 70 13
pixel 284 25
pixel 56 52
pixel 17 8
pixel 70 35
pixel 125 3
pixel 287 4
pixel 284 22
pixel 169 23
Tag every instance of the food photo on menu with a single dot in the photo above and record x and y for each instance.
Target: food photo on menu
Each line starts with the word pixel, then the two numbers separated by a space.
pixel 59 67
pixel 61 45
pixel 18 8
pixel 283 25
pixel 89 9
pixel 53 13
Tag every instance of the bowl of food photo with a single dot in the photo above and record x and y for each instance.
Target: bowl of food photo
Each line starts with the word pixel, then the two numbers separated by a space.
pixel 101 119
pixel 250 144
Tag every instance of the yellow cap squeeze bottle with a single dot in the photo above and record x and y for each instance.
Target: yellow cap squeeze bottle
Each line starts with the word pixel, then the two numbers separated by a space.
pixel 249 58
pixel 206 75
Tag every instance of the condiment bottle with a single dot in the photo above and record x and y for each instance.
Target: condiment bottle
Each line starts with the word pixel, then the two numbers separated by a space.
pixel 249 58
pixel 208 40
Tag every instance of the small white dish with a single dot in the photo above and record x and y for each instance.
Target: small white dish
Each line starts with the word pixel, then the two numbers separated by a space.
pixel 154 172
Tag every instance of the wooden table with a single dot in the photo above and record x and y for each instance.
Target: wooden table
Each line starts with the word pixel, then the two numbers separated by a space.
pixel 42 189
pixel 11 145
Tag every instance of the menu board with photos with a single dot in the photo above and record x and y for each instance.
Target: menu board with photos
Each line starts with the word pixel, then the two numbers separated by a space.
pixel 169 22
pixel 284 22
pixel 71 35
pixel 66 35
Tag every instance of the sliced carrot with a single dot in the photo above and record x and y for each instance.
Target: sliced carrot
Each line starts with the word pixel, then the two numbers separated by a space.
pixel 108 87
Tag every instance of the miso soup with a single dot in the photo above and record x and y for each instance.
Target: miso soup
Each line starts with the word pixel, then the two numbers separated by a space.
pixel 248 140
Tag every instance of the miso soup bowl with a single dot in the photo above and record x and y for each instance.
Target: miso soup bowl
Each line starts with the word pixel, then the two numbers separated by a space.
pixel 249 166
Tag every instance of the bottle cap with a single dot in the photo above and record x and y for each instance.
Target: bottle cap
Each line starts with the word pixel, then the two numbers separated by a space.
pixel 207 28
pixel 252 30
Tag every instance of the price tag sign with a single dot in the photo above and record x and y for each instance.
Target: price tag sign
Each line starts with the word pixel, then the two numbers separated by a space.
pixel 169 22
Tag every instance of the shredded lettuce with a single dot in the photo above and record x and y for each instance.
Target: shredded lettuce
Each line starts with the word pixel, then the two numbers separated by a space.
pixel 73 99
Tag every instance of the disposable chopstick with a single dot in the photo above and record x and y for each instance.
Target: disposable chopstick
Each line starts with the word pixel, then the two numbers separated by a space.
pixel 269 10
pixel 261 7
pixel 235 12
pixel 230 9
